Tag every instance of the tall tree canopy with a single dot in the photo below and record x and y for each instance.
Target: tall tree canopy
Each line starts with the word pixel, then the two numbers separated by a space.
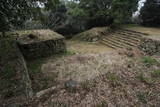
pixel 150 13
pixel 13 13
pixel 122 10
pixel 60 13
pixel 109 11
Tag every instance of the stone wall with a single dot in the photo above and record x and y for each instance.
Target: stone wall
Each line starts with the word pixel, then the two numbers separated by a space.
pixel 15 84
pixel 43 49
pixel 150 46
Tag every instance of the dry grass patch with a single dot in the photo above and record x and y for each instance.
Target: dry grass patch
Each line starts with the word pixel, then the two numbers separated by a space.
pixel 107 79
pixel 86 47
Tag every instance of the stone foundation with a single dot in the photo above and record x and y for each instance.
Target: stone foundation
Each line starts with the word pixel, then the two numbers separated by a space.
pixel 41 43
pixel 43 49
pixel 150 46
pixel 15 84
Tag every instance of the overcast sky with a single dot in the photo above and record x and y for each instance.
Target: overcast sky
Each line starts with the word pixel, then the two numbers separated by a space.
pixel 141 4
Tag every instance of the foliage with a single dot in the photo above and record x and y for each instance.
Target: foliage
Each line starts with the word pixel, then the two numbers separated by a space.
pixel 145 79
pixel 13 13
pixel 63 15
pixel 142 96
pixel 156 73
pixel 150 13
pixel 149 61
pixel 51 4
pixel 122 10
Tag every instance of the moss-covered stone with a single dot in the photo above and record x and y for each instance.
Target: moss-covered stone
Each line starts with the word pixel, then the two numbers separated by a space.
pixel 150 46
pixel 40 43
pixel 15 84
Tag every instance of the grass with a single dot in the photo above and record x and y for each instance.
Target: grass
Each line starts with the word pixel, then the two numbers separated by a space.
pixel 149 61
pixel 155 73
pixel 7 81
pixel 39 79
pixel 68 53
pixel 142 97
pixel 145 79
pixel 103 104
pixel 88 85
pixel 112 77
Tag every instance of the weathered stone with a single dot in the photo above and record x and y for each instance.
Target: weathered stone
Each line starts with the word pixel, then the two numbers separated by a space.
pixel 150 46
pixel 72 85
pixel 15 84
pixel 44 43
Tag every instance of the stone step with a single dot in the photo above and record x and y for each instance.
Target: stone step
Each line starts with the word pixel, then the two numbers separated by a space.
pixel 144 34
pixel 120 44
pixel 128 42
pixel 128 38
pixel 128 35
pixel 110 45
pixel 122 39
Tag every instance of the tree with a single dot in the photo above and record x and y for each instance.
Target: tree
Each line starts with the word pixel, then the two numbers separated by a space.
pixel 97 11
pixel 13 13
pixel 107 12
pixel 150 13
pixel 122 10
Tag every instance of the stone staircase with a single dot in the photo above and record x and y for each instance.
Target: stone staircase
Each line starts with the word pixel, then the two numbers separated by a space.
pixel 122 38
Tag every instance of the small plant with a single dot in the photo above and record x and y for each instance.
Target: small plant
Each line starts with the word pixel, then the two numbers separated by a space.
pixel 112 77
pixel 88 85
pixel 149 61
pixel 85 85
pixel 103 104
pixel 156 73
pixel 147 80
pixel 70 53
pixel 142 97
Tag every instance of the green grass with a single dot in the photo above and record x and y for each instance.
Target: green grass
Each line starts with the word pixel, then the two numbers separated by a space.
pixel 112 77
pixel 155 73
pixel 147 60
pixel 130 25
pixel 67 53
pixel 144 79
pixel 103 104
pixel 142 97
pixel 40 80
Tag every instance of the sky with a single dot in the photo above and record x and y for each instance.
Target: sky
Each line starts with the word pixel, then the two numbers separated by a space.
pixel 141 4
